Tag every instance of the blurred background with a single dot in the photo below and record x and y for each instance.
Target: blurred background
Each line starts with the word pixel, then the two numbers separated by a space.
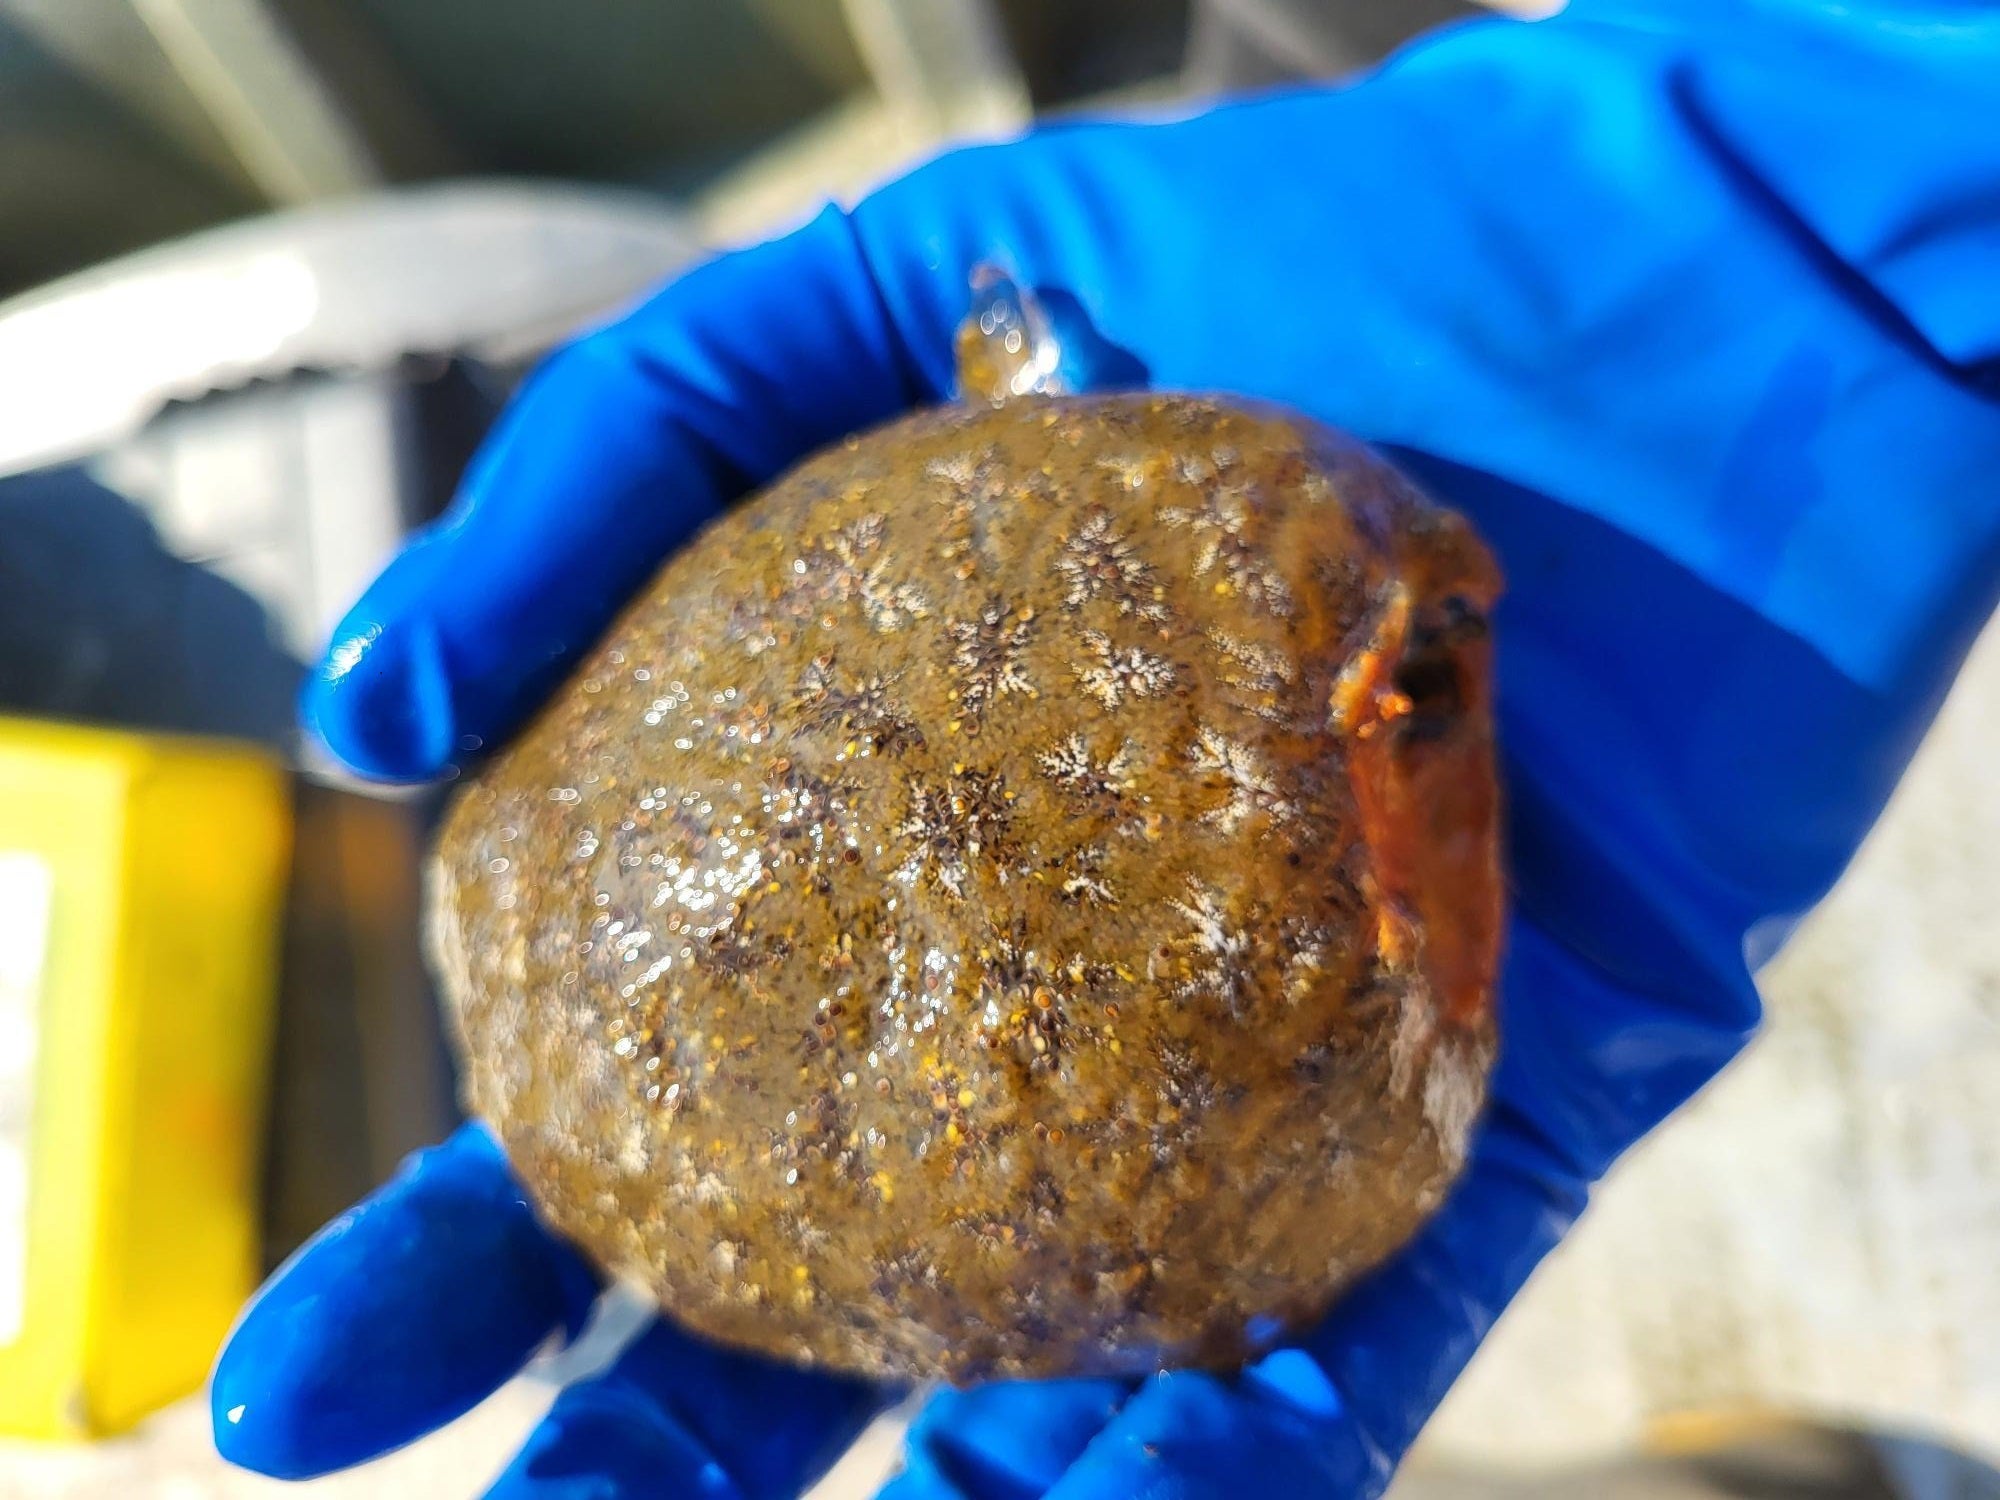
pixel 268 269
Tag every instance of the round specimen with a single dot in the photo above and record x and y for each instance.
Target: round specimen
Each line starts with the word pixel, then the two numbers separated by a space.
pixel 1018 897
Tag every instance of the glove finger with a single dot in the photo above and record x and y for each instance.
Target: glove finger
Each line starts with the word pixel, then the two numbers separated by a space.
pixel 1007 1441
pixel 619 447
pixel 395 1318
pixel 677 1416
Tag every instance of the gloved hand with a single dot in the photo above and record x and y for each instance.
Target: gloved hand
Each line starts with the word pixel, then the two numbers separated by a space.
pixel 1689 304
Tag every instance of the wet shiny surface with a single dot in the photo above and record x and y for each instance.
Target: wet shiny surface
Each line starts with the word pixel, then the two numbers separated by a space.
pixel 1018 897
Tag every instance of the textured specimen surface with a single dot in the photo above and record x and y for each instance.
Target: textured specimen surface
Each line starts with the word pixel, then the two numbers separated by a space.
pixel 1018 897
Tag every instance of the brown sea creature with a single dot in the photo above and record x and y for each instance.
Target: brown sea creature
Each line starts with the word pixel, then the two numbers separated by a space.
pixel 1018 897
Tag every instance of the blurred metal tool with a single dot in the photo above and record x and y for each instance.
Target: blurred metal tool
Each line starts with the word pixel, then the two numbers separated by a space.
pixel 475 269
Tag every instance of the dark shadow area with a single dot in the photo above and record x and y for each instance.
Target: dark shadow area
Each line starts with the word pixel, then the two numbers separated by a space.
pixel 100 623
pixel 82 178
pixel 1090 361
pixel 1070 52
pixel 453 404
pixel 360 1072
pixel 1252 44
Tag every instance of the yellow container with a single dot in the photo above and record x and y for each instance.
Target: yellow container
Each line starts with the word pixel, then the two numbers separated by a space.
pixel 141 889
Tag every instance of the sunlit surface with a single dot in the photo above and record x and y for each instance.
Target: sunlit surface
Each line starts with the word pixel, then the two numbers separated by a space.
pixel 154 329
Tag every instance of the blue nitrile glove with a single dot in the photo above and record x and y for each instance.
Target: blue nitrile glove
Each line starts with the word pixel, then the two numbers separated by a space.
pixel 1691 305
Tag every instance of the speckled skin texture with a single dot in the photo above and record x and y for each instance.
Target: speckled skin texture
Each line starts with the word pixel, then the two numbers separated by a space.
pixel 1019 897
